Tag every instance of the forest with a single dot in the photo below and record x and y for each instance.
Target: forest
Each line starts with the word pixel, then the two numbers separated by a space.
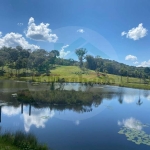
pixel 42 61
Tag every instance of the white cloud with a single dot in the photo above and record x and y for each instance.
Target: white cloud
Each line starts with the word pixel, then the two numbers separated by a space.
pixel 136 62
pixel 38 118
pixel 11 111
pixel 81 31
pixel 0 33
pixel 144 64
pixel 123 33
pixel 131 57
pixel 136 33
pixel 20 24
pixel 40 32
pixel 62 51
pixel 31 20
pixel 16 39
pixel 131 123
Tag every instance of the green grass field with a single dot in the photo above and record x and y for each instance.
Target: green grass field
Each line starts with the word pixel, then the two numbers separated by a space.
pixel 75 74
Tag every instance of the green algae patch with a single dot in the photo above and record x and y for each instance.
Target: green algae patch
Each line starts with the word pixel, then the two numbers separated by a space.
pixel 136 136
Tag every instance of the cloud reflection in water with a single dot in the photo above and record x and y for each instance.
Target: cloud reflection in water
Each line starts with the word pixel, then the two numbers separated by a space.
pixel 77 122
pixel 129 99
pixel 37 118
pixel 10 110
pixel 131 123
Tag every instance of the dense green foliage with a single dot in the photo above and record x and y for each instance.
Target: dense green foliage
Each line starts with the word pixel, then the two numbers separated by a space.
pixel 42 62
pixel 81 55
pixel 113 67
pixel 32 62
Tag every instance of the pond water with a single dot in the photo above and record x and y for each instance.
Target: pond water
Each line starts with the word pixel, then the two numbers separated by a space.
pixel 93 127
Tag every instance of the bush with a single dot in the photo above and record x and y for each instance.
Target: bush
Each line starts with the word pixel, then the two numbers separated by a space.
pixel 23 141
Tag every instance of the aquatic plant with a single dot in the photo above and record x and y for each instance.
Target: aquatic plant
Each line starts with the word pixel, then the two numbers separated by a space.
pixel 136 136
pixel 22 141
pixel 59 97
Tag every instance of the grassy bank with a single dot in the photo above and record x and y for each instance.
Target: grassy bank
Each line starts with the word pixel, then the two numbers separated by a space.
pixel 20 141
pixel 75 74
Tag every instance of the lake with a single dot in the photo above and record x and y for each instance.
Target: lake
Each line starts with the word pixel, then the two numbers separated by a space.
pixel 119 121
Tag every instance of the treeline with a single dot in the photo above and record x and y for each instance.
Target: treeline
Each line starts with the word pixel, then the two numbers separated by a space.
pixel 113 67
pixel 110 66
pixel 39 61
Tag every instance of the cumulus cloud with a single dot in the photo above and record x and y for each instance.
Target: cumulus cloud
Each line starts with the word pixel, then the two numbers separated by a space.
pixel 40 32
pixel 62 51
pixel 131 123
pixel 31 20
pixel 131 57
pixel 20 24
pixel 38 118
pixel 10 110
pixel 81 31
pixel 144 64
pixel 0 33
pixel 123 33
pixel 16 39
pixel 136 33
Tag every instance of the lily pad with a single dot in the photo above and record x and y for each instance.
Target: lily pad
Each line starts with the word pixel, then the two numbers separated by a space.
pixel 136 136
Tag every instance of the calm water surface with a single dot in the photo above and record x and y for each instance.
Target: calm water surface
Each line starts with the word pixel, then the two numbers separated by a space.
pixel 93 127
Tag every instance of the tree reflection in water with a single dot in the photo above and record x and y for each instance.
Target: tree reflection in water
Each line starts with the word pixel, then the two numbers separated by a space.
pixel 139 101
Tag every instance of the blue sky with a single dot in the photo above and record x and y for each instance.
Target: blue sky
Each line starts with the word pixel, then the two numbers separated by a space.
pixel 114 29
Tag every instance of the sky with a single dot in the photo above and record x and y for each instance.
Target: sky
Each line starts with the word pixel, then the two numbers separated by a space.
pixel 112 29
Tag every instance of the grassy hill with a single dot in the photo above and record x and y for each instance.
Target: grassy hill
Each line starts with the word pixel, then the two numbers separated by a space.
pixel 75 74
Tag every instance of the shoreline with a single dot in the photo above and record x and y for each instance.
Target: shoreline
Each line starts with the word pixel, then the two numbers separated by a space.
pixel 90 82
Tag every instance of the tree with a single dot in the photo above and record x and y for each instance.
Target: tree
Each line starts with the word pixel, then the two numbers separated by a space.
pixel 1 62
pixel 80 53
pixel 4 54
pixel 1 65
pixel 126 72
pixel 109 67
pixel 90 62
pixel 121 73
pixel 14 54
pixel 53 55
pixel 18 65
pixel 147 70
pixel 140 76
pixel 120 96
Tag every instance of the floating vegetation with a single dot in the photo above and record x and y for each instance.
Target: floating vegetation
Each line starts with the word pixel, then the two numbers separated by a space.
pixel 136 136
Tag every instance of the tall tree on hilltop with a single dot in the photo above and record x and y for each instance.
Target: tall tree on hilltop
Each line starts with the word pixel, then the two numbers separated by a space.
pixel 80 53
pixel 53 55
